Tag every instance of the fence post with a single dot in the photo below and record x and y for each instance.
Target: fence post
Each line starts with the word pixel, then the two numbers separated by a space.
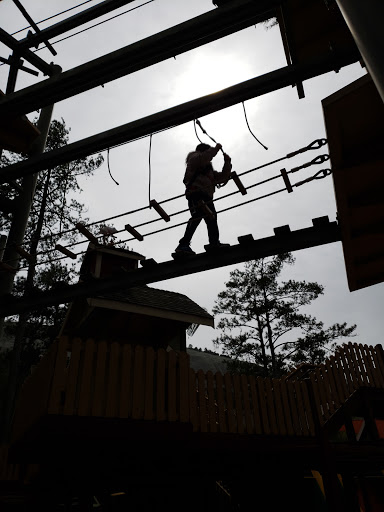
pixel 331 482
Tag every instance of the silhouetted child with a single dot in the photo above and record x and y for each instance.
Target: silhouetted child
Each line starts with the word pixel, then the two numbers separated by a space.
pixel 200 180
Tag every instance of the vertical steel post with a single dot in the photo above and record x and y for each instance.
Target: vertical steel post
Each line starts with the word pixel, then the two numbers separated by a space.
pixel 15 62
pixel 365 20
pixel 23 206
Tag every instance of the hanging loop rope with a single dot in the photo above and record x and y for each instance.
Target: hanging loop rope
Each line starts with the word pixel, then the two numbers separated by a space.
pixel 109 168
pixel 197 136
pixel 218 185
pixel 207 134
pixel 249 128
pixel 149 171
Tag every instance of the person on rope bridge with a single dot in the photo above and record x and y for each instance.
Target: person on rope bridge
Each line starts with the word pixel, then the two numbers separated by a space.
pixel 200 180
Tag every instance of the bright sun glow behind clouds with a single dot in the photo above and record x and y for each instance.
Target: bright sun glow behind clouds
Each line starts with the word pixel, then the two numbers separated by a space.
pixel 209 72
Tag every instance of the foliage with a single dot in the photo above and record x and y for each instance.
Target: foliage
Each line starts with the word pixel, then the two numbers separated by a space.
pixel 263 328
pixel 62 210
pixel 270 23
pixel 44 323
pixel 55 211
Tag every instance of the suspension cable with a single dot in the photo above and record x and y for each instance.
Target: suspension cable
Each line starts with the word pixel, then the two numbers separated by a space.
pixel 318 175
pixel 316 144
pixel 95 25
pixel 83 30
pixel 313 145
pixel 325 171
pixel 51 17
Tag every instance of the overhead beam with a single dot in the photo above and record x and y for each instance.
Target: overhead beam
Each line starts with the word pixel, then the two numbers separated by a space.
pixel 24 12
pixel 179 114
pixel 322 232
pixel 186 36
pixel 32 58
pixel 73 22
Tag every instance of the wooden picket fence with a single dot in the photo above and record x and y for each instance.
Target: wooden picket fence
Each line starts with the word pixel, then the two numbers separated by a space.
pixel 352 367
pixel 112 380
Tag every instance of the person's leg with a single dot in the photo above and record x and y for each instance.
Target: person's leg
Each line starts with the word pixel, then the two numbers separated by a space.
pixel 193 222
pixel 212 226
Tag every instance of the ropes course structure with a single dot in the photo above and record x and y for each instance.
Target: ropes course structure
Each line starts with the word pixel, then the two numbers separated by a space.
pixel 80 31
pixel 51 17
pixel 136 235
pixel 152 204
pixel 96 24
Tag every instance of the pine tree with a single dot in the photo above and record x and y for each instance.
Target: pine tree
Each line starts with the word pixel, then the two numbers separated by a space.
pixel 54 213
pixel 263 327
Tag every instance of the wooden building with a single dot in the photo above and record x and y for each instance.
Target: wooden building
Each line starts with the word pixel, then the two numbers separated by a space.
pixel 139 315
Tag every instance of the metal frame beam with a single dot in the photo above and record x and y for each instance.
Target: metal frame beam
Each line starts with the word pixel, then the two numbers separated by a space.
pixel 179 114
pixel 24 12
pixel 21 67
pixel 322 232
pixel 73 22
pixel 167 44
pixel 32 58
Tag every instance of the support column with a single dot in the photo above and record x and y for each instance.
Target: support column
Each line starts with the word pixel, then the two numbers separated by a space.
pixel 365 21
pixel 23 207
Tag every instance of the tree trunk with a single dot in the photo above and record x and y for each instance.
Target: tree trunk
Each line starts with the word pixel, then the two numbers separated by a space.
pixel 14 380
pixel 262 345
pixel 270 335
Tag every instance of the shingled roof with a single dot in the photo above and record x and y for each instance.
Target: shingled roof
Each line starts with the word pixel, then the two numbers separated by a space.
pixel 153 299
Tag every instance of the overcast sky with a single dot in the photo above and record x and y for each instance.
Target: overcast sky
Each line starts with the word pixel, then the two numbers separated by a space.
pixel 280 120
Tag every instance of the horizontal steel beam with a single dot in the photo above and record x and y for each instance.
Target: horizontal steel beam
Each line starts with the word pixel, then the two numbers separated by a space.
pixel 179 114
pixel 323 232
pixel 10 61
pixel 73 22
pixel 32 58
pixel 191 34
